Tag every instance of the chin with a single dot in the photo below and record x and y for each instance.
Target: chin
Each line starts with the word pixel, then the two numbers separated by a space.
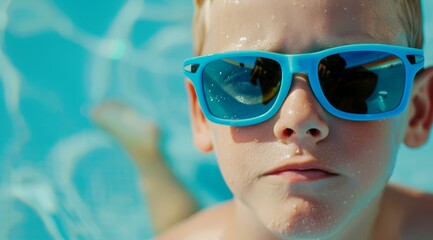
pixel 307 222
pixel 304 231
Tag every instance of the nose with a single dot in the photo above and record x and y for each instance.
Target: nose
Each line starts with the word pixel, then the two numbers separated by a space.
pixel 301 117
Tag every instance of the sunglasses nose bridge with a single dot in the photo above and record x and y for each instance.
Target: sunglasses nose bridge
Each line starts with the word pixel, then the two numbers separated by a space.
pixel 299 63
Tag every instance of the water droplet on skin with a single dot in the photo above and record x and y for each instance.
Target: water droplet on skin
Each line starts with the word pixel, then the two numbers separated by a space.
pixel 227 36
pixel 271 224
pixel 345 8
pixel 236 2
pixel 258 25
pixel 326 10
pixel 345 203
pixel 241 42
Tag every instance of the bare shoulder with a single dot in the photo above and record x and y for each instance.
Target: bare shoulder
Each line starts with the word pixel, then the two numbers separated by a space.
pixel 415 210
pixel 210 223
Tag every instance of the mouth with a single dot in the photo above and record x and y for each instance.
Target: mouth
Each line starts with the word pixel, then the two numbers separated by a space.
pixel 302 172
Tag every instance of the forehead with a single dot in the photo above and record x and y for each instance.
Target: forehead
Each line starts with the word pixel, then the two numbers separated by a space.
pixel 294 26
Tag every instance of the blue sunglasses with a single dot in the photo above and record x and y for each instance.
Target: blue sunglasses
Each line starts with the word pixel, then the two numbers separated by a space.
pixel 361 82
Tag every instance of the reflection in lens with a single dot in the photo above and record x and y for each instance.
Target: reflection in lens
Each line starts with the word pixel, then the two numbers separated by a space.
pixel 362 81
pixel 267 73
pixel 241 87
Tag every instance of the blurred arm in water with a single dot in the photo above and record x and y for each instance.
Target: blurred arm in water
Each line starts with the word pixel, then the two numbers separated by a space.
pixel 168 201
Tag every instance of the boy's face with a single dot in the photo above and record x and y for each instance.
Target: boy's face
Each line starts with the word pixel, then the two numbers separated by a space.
pixel 360 155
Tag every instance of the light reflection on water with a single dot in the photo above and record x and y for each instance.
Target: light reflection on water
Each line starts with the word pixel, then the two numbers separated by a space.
pixel 62 177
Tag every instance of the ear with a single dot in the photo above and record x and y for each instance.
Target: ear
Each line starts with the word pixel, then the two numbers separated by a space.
pixel 420 110
pixel 200 128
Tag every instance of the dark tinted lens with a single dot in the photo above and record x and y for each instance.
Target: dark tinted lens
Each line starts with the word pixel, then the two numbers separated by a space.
pixel 241 87
pixel 362 81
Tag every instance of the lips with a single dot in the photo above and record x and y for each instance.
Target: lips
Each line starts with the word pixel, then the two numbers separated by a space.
pixel 300 172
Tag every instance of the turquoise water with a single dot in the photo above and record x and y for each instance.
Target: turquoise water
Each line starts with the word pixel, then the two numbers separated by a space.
pixel 62 176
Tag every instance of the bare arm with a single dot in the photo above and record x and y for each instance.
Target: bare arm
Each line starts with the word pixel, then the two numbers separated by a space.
pixel 168 201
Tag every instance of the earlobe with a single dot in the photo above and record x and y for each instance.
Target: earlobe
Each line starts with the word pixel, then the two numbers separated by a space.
pixel 421 110
pixel 200 128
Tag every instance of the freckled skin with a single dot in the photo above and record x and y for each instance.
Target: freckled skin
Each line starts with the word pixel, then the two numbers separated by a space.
pixel 362 153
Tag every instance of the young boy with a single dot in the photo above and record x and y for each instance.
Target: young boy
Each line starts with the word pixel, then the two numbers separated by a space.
pixel 306 142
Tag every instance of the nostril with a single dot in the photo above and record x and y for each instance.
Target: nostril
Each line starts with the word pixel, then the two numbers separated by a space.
pixel 314 132
pixel 288 132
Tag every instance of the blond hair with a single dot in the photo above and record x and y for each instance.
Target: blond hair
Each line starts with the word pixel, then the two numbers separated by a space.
pixel 200 24
pixel 410 16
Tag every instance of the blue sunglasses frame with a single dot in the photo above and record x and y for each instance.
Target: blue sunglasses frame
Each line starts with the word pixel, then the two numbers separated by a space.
pixel 412 58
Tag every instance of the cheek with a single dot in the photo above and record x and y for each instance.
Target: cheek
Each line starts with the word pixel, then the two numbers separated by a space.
pixel 370 153
pixel 232 159
pixel 242 162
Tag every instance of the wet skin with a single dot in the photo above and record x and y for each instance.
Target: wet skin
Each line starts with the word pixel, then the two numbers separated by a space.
pixel 304 172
